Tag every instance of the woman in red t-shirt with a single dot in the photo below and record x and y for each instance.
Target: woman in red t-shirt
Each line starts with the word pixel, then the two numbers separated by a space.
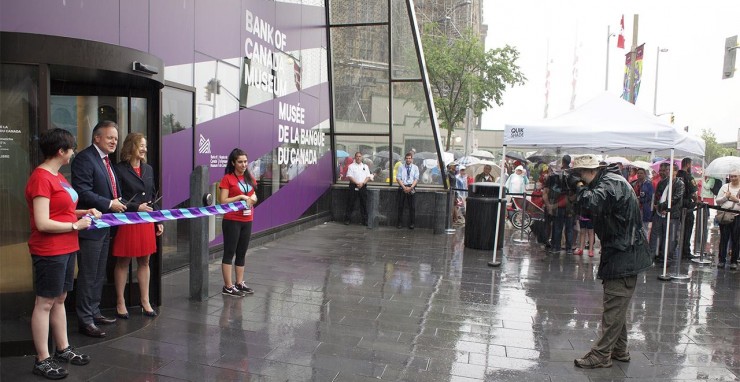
pixel 236 185
pixel 53 246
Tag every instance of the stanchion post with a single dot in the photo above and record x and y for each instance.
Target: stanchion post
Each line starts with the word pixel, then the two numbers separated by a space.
pixel 198 237
pixel 677 275
pixel 502 181
pixel 522 215
pixel 448 226
pixel 665 276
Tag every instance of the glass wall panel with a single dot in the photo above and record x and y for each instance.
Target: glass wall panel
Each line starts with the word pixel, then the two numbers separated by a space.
pixel 79 114
pixel 177 162
pixel 413 132
pixel 177 110
pixel 403 54
pixel 18 124
pixel 181 74
pixel 360 79
pixel 353 11
pixel 217 88
pixel 375 155
pixel 138 116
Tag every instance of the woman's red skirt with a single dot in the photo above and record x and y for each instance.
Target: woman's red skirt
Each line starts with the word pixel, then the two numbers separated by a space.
pixel 134 240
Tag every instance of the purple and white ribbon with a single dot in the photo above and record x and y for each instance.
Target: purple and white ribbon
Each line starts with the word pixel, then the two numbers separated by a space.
pixel 115 219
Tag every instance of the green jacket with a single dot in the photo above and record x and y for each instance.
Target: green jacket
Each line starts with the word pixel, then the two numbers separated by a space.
pixel 615 212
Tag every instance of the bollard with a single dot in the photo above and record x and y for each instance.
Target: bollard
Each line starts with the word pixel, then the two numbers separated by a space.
pixel 373 203
pixel 198 237
pixel 440 209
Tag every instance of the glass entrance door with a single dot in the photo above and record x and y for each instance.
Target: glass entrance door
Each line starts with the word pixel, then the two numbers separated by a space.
pixel 78 114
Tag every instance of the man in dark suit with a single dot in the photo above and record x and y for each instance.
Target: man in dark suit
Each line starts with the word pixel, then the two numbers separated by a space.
pixel 96 184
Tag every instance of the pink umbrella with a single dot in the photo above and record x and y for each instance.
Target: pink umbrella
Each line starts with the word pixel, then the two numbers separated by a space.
pixel 676 163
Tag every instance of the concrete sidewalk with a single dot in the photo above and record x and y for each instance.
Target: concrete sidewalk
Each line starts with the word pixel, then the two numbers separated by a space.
pixel 344 303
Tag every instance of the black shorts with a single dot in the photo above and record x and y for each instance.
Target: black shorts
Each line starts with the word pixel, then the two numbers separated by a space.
pixel 586 224
pixel 53 275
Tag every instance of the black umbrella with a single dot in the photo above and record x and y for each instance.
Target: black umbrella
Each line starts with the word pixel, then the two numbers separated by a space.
pixel 543 155
pixel 515 155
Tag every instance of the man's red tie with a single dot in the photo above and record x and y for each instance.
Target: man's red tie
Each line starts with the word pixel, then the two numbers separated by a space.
pixel 110 175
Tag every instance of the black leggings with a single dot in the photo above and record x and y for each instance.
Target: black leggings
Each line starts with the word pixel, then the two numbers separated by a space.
pixel 236 241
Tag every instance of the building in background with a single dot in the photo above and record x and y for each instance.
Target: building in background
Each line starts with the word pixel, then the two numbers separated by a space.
pixel 293 83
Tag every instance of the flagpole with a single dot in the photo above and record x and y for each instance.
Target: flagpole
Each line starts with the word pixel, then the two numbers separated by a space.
pixel 633 55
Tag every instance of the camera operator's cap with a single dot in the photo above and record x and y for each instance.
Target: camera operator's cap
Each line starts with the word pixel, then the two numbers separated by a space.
pixel 461 167
pixel 586 161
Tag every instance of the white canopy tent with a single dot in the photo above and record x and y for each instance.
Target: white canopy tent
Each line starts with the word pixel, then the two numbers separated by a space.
pixel 606 124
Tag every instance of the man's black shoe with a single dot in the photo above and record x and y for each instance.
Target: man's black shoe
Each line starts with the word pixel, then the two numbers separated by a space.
pixel 398 226
pixel 92 331
pixel 103 320
pixel 411 226
pixel 346 222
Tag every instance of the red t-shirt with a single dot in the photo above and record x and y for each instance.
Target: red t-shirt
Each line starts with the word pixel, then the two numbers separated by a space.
pixel 62 203
pixel 238 186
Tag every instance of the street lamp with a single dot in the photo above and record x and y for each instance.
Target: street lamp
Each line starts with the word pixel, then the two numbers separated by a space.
pixel 609 35
pixel 657 66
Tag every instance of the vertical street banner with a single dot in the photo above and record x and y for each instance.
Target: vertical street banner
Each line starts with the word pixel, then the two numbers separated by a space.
pixel 626 83
pixel 638 71
pixel 631 96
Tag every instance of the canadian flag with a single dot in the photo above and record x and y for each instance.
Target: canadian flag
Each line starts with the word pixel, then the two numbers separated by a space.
pixel 620 38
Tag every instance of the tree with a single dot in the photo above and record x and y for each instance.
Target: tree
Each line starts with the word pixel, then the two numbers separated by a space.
pixel 461 70
pixel 713 150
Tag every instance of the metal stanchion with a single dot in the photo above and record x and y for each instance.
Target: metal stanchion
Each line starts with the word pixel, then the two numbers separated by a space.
pixel 664 248
pixel 522 239
pixel 448 226
pixel 677 275
pixel 701 222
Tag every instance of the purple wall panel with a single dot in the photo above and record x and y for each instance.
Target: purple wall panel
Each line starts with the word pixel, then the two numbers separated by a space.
pixel 135 24
pixel 257 133
pixel 172 30
pixel 223 134
pixel 216 23
pixel 70 18
pixel 289 23
pixel 176 30
pixel 176 167
pixel 294 198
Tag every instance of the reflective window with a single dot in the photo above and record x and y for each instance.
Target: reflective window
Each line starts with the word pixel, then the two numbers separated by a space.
pixel 176 165
pixel 378 90
pixel 18 124
pixel 360 79
pixel 352 11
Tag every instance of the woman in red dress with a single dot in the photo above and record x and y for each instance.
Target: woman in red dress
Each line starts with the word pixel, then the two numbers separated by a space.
pixel 135 240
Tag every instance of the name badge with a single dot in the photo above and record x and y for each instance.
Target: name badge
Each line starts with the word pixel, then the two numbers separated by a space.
pixel 248 211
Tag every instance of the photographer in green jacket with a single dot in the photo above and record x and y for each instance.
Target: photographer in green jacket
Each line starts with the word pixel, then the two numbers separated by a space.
pixel 615 211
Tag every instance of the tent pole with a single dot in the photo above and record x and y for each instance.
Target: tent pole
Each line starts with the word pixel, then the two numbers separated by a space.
pixel 666 241
pixel 493 262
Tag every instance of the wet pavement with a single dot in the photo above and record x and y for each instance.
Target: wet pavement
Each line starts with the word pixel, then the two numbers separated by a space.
pixel 344 303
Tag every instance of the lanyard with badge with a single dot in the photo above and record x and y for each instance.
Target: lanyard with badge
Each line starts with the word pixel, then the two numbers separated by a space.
pixel 244 188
